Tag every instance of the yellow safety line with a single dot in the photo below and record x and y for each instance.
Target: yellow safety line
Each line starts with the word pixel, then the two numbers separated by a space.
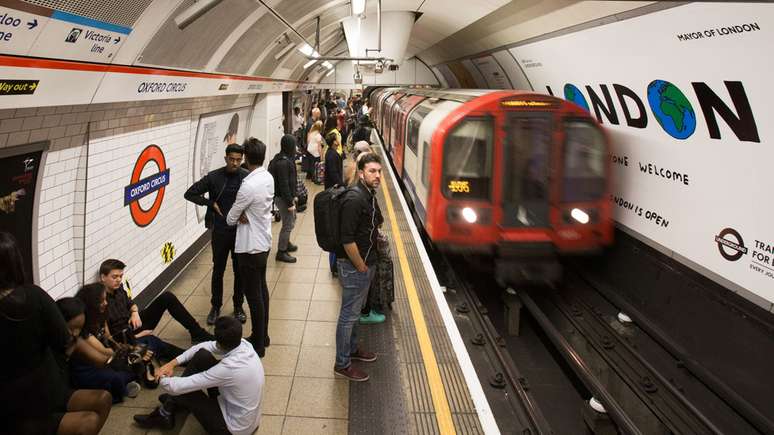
pixel 440 403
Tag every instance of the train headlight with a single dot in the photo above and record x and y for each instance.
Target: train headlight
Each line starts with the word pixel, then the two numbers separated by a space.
pixel 580 215
pixel 469 215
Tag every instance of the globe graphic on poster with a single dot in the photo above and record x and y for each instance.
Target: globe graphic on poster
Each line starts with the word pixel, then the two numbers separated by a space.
pixel 672 110
pixel 572 93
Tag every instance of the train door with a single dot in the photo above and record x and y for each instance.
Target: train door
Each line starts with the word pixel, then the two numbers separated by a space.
pixel 526 176
pixel 407 104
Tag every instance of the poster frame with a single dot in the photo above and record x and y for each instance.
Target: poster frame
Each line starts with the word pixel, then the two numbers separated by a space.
pixel 43 147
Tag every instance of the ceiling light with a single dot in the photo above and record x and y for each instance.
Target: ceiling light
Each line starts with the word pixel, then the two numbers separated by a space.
pixel 306 49
pixel 329 73
pixel 195 11
pixel 284 51
pixel 327 65
pixel 310 63
pixel 358 7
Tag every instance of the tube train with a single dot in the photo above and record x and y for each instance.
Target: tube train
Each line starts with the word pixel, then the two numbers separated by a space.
pixel 514 177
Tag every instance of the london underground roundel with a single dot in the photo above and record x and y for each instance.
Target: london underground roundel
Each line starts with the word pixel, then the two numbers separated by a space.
pixel 140 188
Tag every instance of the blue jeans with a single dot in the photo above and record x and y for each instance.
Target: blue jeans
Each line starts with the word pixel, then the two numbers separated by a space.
pixel 354 292
pixel 87 376
pixel 332 260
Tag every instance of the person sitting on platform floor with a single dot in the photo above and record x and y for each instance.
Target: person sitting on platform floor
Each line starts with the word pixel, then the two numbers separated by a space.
pixel 125 318
pixel 36 398
pixel 88 374
pixel 232 404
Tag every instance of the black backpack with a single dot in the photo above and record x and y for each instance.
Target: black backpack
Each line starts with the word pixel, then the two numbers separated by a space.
pixel 327 212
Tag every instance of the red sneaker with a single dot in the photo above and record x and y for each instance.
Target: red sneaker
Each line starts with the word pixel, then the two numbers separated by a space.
pixel 363 355
pixel 351 373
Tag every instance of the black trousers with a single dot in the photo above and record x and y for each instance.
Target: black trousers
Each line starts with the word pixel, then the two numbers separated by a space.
pixel 252 267
pixel 151 316
pixel 203 406
pixel 222 244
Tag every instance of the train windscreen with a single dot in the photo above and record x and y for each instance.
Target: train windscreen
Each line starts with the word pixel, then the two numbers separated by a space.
pixel 525 170
pixel 467 160
pixel 584 162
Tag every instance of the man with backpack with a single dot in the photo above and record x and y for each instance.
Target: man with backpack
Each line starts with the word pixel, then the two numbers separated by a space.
pixel 221 186
pixel 355 214
pixel 283 168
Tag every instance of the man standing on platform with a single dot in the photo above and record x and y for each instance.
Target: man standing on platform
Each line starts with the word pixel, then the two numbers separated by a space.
pixel 357 258
pixel 252 209
pixel 221 186
pixel 283 168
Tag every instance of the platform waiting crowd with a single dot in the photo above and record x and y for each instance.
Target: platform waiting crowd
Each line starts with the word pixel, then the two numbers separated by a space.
pixel 67 361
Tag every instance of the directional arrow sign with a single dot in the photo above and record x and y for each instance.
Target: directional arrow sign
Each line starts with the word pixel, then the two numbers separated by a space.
pixel 21 25
pixel 32 24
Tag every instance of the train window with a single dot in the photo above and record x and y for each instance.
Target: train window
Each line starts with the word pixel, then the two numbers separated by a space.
pixel 525 170
pixel 415 120
pixel 584 162
pixel 426 164
pixel 467 159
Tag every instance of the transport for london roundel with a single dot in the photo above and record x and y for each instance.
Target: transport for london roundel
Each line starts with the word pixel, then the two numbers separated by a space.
pixel 140 188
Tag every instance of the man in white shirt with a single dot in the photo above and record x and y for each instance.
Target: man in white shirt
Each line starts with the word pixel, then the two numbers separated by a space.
pixel 252 209
pixel 234 385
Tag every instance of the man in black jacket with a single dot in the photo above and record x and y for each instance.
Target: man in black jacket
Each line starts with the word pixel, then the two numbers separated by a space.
pixel 357 257
pixel 221 187
pixel 283 168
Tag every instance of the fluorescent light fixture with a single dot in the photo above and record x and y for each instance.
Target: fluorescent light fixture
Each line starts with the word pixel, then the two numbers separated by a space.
pixel 327 65
pixel 469 215
pixel 284 51
pixel 580 215
pixel 195 11
pixel 329 73
pixel 306 49
pixel 310 63
pixel 358 7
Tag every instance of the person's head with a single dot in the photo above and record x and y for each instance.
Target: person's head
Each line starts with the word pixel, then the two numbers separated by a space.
pixel 369 170
pixel 332 139
pixel 233 157
pixel 94 298
pixel 316 127
pixel 296 110
pixel 74 312
pixel 331 123
pixel 233 127
pixel 111 273
pixel 361 147
pixel 316 113
pixel 255 152
pixel 11 263
pixel 228 333
pixel 288 145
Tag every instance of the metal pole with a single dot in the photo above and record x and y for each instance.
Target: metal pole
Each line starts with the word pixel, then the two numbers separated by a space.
pixel 286 23
pixel 317 35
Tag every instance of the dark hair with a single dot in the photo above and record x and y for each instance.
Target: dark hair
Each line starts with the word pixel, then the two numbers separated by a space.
pixel 11 263
pixel 234 148
pixel 71 308
pixel 330 123
pixel 331 138
pixel 109 265
pixel 296 110
pixel 91 296
pixel 228 332
pixel 368 158
pixel 233 126
pixel 255 151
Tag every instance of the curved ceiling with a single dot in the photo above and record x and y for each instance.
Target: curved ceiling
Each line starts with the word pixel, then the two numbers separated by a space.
pixel 243 37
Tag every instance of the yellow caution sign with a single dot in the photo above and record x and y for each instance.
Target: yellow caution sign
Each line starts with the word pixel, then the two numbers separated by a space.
pixel 168 252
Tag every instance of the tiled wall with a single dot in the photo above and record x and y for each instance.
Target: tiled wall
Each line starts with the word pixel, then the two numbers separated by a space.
pixel 93 148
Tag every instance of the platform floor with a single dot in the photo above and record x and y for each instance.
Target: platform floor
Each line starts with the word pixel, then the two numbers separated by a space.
pixel 301 394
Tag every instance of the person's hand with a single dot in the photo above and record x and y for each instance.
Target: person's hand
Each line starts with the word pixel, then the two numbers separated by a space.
pixel 216 207
pixel 134 321
pixel 363 268
pixel 292 208
pixel 165 371
pixel 143 333
pixel 243 219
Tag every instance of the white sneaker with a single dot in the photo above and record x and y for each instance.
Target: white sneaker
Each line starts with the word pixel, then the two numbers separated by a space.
pixel 133 389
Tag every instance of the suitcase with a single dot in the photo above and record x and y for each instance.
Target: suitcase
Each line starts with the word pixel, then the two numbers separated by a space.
pixel 319 173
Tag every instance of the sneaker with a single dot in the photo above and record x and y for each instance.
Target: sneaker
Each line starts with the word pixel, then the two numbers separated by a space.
pixel 284 257
pixel 213 316
pixel 155 420
pixel 363 355
pixel 351 373
pixel 201 335
pixel 133 389
pixel 240 315
pixel 292 247
pixel 372 318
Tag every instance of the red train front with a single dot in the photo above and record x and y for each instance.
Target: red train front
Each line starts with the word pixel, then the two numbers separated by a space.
pixel 513 177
